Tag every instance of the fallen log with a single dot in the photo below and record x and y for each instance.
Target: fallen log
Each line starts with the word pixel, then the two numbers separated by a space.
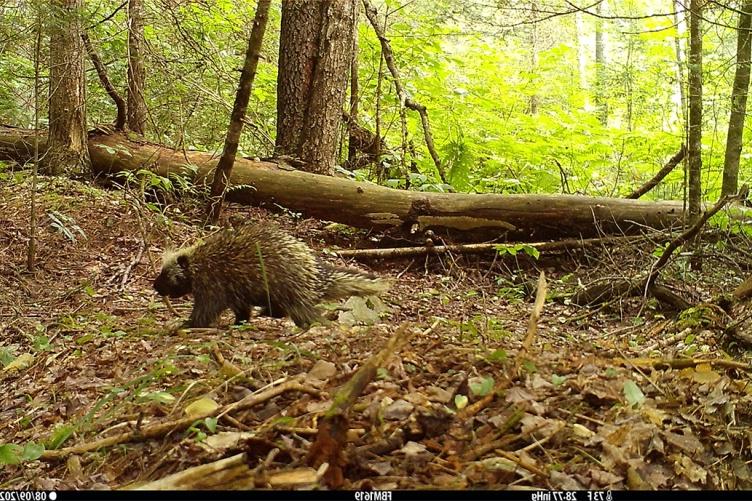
pixel 366 205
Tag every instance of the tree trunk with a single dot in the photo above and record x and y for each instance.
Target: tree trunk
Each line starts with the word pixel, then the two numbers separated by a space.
pixel 136 70
pixel 532 105
pixel 104 79
pixel 738 103
pixel 366 205
pixel 315 53
pixel 581 56
pixel 67 143
pixel 601 105
pixel 694 144
pixel 679 21
pixel 252 55
pixel 352 149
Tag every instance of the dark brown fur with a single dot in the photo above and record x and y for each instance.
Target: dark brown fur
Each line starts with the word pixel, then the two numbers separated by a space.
pixel 257 265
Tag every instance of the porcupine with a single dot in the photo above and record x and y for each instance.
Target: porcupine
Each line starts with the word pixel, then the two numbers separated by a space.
pixel 257 265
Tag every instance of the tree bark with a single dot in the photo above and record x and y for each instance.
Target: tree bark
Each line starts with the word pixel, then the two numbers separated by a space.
pixel 67 143
pixel 248 74
pixel 136 69
pixel 694 149
pixel 366 205
pixel 581 55
pixel 601 105
pixel 315 53
pixel 679 21
pixel 352 149
pixel 533 41
pixel 738 103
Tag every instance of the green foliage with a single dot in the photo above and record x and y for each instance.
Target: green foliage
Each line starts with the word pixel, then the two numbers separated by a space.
pixel 15 454
pixel 66 225
pixel 633 394
pixel 470 64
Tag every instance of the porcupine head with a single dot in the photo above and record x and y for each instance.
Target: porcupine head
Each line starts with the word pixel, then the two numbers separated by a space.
pixel 174 279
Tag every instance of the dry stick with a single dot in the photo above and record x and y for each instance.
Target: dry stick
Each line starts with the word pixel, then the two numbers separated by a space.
pixel 684 237
pixel 560 245
pixel 218 475
pixel 386 48
pixel 105 81
pixel 161 429
pixel 532 329
pixel 332 433
pixel 682 363
pixel 670 165
pixel 127 271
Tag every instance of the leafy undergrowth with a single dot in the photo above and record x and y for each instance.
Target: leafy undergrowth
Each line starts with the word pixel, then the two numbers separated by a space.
pixel 605 398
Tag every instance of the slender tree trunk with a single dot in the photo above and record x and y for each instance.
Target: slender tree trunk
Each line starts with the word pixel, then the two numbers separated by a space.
pixel 252 55
pixel 738 103
pixel 31 252
pixel 136 69
pixel 601 104
pixel 694 145
pixel 315 54
pixel 533 100
pixel 104 79
pixel 352 150
pixel 581 56
pixel 67 144
pixel 679 14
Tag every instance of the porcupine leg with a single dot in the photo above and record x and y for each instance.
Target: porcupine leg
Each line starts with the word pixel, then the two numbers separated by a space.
pixel 205 311
pixel 304 315
pixel 274 312
pixel 242 313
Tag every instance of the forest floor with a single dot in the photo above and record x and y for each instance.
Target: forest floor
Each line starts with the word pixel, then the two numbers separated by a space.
pixel 91 363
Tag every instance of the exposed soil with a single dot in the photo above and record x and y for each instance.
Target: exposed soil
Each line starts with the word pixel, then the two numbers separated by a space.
pixel 601 399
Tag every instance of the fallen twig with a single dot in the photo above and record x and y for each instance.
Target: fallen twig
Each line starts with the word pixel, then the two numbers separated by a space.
pixel 560 245
pixel 130 266
pixel 682 363
pixel 532 329
pixel 332 434
pixel 157 430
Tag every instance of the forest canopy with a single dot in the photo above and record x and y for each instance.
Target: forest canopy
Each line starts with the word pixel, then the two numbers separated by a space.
pixel 516 99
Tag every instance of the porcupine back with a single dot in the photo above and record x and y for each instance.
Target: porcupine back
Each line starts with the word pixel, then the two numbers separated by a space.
pixel 261 265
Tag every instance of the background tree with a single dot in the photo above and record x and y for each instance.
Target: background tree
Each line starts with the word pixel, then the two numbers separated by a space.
pixel 601 104
pixel 136 69
pixel 694 129
pixel 315 52
pixel 67 149
pixel 252 55
pixel 738 102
